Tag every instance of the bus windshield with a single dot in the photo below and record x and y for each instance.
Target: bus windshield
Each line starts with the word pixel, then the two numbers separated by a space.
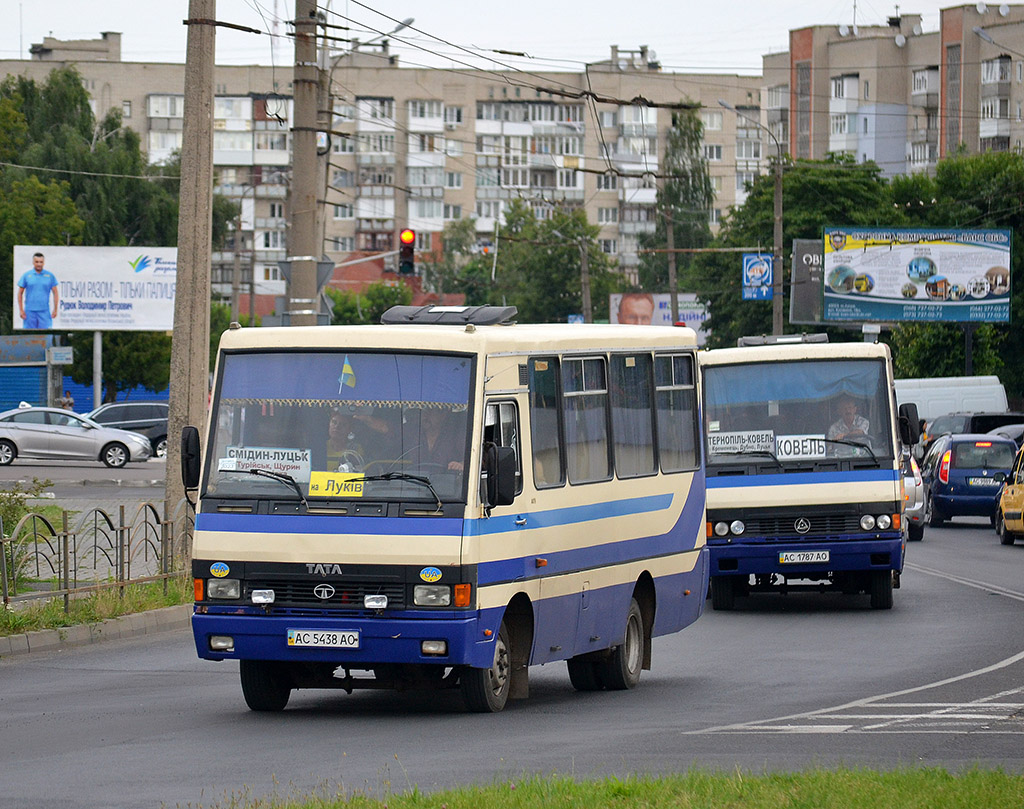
pixel 298 424
pixel 798 411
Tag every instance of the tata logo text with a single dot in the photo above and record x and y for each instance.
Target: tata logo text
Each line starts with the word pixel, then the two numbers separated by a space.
pixel 323 570
pixel 323 591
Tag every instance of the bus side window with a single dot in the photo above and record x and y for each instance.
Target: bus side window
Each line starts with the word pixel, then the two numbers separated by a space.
pixel 501 427
pixel 545 422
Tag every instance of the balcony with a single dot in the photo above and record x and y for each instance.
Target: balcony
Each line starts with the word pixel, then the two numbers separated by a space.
pixel 636 227
pixel 425 159
pixel 638 196
pixel 994 128
pixel 375 159
pixel 426 124
pixel 638 130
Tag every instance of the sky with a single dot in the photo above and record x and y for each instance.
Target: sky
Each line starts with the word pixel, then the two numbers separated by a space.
pixel 719 36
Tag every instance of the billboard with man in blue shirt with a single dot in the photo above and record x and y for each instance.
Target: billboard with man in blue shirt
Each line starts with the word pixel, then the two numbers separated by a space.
pixel 34 288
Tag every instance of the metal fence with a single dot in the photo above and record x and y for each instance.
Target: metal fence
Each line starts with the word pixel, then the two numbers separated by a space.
pixel 93 551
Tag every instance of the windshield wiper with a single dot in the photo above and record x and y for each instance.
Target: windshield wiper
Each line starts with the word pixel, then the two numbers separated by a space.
pixel 421 479
pixel 284 477
pixel 852 444
pixel 766 452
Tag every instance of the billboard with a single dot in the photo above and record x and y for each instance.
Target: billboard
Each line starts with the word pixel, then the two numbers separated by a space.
pixel 655 309
pixel 805 282
pixel 916 275
pixel 94 288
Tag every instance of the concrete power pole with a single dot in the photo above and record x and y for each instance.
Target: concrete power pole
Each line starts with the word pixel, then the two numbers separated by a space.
pixel 190 344
pixel 303 246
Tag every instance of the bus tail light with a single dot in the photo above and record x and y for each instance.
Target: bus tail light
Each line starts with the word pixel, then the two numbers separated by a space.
pixel 944 466
pixel 462 592
pixel 197 587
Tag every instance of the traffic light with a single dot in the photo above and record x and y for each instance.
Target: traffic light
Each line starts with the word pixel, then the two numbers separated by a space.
pixel 406 252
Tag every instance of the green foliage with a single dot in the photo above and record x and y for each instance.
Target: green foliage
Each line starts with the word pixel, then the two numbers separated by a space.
pixel 130 359
pixel 461 269
pixel 938 349
pixel 684 199
pixel 815 194
pixel 366 307
pixel 539 265
pixel 14 499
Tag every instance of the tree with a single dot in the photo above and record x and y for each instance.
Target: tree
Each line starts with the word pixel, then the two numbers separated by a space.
pixel 539 265
pixel 366 307
pixel 967 191
pixel 684 200
pixel 816 193
pixel 130 359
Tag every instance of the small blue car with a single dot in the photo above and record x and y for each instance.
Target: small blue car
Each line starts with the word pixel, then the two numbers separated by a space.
pixel 963 474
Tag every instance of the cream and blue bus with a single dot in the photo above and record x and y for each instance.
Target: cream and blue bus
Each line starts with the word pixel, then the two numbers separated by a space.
pixel 444 500
pixel 804 481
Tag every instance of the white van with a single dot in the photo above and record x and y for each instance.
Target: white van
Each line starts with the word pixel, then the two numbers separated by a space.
pixel 939 395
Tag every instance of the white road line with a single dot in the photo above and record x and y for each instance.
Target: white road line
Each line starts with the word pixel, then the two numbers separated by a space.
pixel 766 725
pixel 979 585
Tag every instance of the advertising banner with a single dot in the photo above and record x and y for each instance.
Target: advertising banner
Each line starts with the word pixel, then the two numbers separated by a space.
pixel 917 275
pixel 805 299
pixel 655 309
pixel 94 288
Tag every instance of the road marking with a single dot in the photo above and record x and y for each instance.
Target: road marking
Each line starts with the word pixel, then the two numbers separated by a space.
pixel 978 585
pixel 995 713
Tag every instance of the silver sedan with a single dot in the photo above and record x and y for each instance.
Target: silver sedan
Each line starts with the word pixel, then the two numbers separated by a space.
pixel 52 433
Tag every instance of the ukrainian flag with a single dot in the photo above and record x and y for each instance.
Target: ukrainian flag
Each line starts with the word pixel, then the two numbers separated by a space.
pixel 348 376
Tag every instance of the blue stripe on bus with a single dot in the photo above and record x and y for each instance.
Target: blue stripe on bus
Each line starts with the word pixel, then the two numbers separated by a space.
pixel 324 524
pixel 574 514
pixel 803 478
pixel 681 538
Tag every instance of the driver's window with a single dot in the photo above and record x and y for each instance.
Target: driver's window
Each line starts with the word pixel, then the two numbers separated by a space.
pixel 501 427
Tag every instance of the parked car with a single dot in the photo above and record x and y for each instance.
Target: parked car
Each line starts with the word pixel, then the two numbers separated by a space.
pixel 967 422
pixel 913 498
pixel 148 418
pixel 1010 511
pixel 963 474
pixel 53 433
pixel 1015 432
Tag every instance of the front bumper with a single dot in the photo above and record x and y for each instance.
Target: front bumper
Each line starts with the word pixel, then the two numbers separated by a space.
pixel 884 552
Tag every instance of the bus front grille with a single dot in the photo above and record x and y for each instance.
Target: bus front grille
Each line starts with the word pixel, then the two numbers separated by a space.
pixel 776 527
pixel 345 595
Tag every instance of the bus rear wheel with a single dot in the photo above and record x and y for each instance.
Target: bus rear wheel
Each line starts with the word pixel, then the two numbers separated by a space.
pixel 621 671
pixel 486 690
pixel 880 588
pixel 266 685
pixel 584 674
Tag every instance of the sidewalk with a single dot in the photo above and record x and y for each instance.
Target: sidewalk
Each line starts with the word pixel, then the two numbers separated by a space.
pixel 126 626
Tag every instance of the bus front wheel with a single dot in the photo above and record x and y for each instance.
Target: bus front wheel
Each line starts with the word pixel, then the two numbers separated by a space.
pixel 266 685
pixel 723 592
pixel 881 589
pixel 486 690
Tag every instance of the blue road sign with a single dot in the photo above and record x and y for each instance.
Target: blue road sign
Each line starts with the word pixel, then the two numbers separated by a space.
pixel 757 277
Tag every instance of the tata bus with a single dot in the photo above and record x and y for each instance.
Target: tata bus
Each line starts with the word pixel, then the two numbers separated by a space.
pixel 804 482
pixel 444 500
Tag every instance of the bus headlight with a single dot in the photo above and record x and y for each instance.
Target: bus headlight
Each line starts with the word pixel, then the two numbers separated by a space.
pixel 721 529
pixel 263 596
pixel 432 595
pixel 883 522
pixel 223 588
pixel 867 522
pixel 737 527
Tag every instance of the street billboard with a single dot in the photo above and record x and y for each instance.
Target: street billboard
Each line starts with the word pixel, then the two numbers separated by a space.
pixel 94 288
pixel 805 299
pixel 655 309
pixel 916 275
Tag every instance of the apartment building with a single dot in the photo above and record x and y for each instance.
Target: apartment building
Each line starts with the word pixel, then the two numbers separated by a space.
pixel 421 147
pixel 898 95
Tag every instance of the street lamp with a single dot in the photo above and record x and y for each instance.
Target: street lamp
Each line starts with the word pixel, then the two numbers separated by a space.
pixel 777 232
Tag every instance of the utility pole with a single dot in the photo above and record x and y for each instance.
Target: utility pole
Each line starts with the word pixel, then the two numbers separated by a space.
pixel 673 280
pixel 303 246
pixel 588 309
pixel 190 344
pixel 777 246
pixel 236 270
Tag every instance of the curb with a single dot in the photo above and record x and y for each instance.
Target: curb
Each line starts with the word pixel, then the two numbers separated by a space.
pixel 124 626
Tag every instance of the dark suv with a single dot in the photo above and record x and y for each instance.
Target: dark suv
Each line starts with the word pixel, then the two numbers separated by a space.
pixel 966 423
pixel 148 418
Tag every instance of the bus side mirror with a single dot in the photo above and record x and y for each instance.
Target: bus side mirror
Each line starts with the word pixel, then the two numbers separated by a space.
pixel 500 468
pixel 190 457
pixel 909 424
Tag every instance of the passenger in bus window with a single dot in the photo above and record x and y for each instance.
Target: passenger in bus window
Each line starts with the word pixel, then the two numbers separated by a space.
pixel 344 451
pixel 851 426
pixel 442 439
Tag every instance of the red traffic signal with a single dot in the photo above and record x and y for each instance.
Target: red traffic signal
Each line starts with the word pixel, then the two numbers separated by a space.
pixel 406 252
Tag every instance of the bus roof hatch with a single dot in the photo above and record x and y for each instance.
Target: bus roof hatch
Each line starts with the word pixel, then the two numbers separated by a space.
pixel 450 315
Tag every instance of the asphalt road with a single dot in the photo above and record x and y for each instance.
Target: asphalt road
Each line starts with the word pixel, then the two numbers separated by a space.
pixel 780 683
pixel 82 479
